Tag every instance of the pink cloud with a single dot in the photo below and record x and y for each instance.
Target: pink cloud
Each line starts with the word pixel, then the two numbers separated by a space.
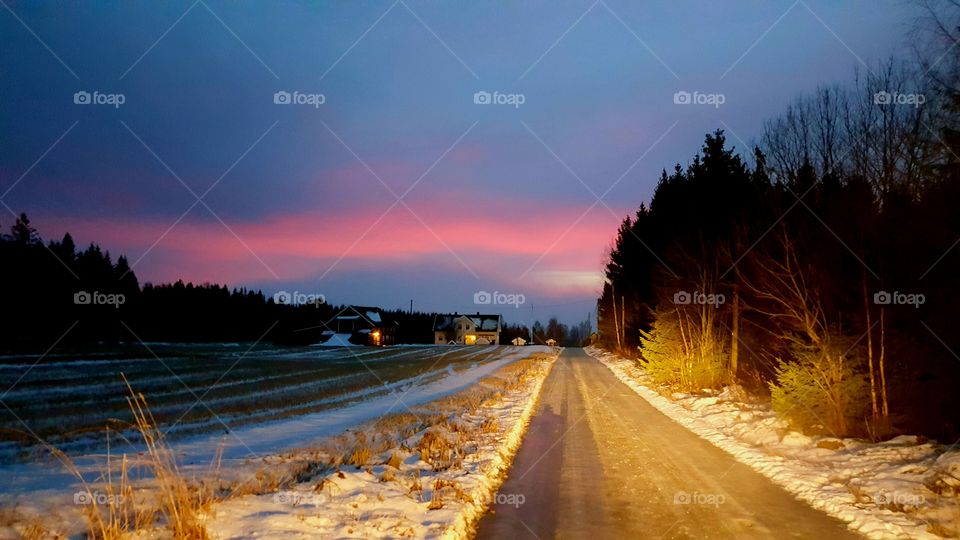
pixel 492 238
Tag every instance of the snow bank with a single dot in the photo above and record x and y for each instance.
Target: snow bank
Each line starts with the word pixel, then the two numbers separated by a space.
pixel 902 488
pixel 379 502
pixel 338 340
pixel 37 484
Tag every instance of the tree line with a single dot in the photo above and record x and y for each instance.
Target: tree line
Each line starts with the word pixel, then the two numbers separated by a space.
pixel 56 295
pixel 825 272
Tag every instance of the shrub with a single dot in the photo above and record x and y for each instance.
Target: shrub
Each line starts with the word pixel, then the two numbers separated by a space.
pixel 821 389
pixel 684 361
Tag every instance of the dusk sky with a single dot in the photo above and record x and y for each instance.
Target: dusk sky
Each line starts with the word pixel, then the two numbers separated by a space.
pixel 297 197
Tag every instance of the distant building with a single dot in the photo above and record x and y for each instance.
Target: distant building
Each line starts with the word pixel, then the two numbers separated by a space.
pixel 459 329
pixel 519 341
pixel 362 325
pixel 552 342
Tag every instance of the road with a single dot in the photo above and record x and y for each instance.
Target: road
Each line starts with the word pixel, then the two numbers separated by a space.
pixel 599 462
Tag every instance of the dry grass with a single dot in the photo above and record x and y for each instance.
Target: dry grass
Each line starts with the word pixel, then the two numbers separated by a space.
pixel 446 432
pixel 444 488
pixel 360 456
pixel 416 486
pixel 490 424
pixel 440 432
pixel 114 509
pixel 437 449
pixel 36 531
pixel 181 504
pixel 395 460
pixel 13 520
pixel 388 475
pixel 400 426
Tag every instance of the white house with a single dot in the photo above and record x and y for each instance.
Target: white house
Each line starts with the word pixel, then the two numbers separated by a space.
pixel 460 329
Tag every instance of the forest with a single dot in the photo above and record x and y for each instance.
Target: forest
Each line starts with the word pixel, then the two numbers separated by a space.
pixel 820 270
pixel 57 295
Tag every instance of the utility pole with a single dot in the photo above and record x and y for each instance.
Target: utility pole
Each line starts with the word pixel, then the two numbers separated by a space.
pixel 411 306
pixel 532 342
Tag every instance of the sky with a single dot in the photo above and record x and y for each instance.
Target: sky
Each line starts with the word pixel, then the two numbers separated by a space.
pixel 378 152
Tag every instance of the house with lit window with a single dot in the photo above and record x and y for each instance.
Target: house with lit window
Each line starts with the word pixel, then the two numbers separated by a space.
pixel 460 329
pixel 360 325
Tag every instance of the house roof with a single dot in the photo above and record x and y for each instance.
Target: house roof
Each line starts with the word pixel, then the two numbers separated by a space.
pixel 371 315
pixel 483 322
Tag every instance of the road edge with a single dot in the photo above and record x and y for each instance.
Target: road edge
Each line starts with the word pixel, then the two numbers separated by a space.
pixel 465 524
pixel 769 466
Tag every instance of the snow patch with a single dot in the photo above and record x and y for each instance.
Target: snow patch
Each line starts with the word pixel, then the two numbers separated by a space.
pixel 338 340
pixel 378 502
pixel 902 488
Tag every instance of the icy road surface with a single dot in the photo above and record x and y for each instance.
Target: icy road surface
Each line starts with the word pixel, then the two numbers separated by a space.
pixel 598 461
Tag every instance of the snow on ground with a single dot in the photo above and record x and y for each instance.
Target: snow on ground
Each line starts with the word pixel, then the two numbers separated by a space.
pixel 302 430
pixel 880 489
pixel 411 500
pixel 338 340
pixel 39 485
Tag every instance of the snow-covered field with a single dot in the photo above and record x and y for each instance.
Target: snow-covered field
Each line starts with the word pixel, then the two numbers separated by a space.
pixel 193 389
pixel 902 488
pixel 244 455
pixel 422 494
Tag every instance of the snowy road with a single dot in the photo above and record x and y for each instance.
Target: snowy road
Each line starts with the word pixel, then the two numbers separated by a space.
pixel 598 461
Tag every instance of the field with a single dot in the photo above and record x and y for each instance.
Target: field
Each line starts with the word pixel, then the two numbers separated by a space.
pixel 72 400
